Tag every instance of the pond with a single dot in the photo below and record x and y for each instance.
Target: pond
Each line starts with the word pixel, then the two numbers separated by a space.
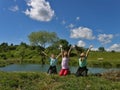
pixel 44 68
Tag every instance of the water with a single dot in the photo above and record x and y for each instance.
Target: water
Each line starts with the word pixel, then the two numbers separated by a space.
pixel 44 68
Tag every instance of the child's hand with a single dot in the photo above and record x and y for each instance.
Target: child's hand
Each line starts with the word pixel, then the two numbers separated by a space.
pixel 91 46
pixel 73 46
pixel 60 46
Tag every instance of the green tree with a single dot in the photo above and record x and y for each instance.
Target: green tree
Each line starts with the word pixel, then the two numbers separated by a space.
pixel 23 44
pixel 21 52
pixel 79 49
pixel 12 47
pixel 63 42
pixel 55 47
pixel 4 47
pixel 42 38
pixel 102 49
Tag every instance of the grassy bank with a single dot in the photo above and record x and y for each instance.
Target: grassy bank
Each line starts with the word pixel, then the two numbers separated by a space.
pixel 43 81
pixel 95 59
pixel 104 59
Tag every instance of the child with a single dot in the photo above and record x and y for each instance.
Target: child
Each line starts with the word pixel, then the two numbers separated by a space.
pixel 53 61
pixel 82 70
pixel 65 59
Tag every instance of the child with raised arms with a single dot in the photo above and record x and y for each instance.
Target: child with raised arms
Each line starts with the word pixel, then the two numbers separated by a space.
pixel 82 69
pixel 64 64
pixel 53 62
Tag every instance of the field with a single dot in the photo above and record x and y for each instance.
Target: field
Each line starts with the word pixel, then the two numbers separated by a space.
pixel 43 81
pixel 95 59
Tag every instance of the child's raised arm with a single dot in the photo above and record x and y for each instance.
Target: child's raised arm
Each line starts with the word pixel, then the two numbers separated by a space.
pixel 61 49
pixel 70 51
pixel 58 55
pixel 88 50
pixel 45 53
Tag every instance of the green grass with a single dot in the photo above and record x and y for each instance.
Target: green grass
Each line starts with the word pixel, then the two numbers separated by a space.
pixel 105 55
pixel 43 81
pixel 109 60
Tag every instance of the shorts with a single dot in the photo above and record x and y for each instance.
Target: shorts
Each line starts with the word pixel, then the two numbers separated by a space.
pixel 64 72
pixel 52 69
pixel 82 71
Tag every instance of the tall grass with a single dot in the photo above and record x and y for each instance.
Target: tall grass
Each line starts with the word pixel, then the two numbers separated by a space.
pixel 43 81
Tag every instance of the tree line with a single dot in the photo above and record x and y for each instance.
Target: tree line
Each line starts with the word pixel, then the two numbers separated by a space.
pixel 39 41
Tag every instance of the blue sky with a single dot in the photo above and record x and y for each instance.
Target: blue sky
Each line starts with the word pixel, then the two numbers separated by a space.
pixel 81 22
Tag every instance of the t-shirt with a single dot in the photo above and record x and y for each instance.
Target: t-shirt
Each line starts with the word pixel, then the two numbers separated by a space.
pixel 83 63
pixel 64 63
pixel 53 62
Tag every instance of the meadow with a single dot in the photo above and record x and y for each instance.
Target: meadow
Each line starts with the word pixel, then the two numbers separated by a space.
pixel 43 81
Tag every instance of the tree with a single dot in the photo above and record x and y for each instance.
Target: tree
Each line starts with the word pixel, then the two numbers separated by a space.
pixel 63 42
pixel 23 44
pixel 42 38
pixel 4 47
pixel 113 51
pixel 102 49
pixel 79 49
pixel 21 52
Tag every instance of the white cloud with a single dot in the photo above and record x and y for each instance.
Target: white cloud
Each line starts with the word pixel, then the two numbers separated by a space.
pixel 81 43
pixel 82 32
pixel 94 49
pixel 77 18
pixel 105 38
pixel 71 25
pixel 115 47
pixel 14 8
pixel 39 10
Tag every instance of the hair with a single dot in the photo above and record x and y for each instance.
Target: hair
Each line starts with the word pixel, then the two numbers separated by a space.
pixel 82 54
pixel 65 53
pixel 52 55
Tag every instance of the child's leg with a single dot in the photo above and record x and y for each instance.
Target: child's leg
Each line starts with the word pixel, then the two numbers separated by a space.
pixel 49 70
pixel 78 72
pixel 61 72
pixel 66 72
pixel 54 70
pixel 85 70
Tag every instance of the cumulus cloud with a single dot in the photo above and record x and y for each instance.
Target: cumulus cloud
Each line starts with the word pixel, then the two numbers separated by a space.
pixel 82 32
pixel 105 38
pixel 81 43
pixel 115 47
pixel 94 49
pixel 71 25
pixel 14 8
pixel 39 10
pixel 77 18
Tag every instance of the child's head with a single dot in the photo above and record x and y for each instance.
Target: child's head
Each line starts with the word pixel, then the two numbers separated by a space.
pixel 65 53
pixel 82 54
pixel 52 56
